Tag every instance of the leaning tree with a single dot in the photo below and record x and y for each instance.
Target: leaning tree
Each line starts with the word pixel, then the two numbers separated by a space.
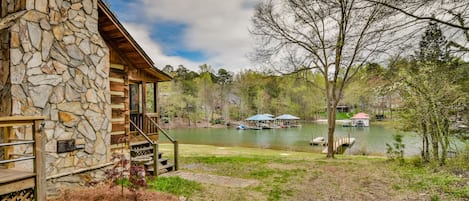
pixel 333 37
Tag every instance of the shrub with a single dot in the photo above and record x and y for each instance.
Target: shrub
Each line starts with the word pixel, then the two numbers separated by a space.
pixel 125 174
pixel 396 150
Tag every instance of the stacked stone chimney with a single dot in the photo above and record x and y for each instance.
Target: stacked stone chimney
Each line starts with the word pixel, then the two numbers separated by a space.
pixel 54 63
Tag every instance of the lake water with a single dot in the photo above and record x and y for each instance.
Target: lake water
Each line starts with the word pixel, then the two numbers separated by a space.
pixel 371 140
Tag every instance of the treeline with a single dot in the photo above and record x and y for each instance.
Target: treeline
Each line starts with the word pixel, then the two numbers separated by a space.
pixel 222 96
pixel 428 90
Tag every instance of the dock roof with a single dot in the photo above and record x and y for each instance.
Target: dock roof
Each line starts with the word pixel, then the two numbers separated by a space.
pixel 361 115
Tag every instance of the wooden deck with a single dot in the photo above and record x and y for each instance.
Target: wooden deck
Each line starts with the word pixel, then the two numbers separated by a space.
pixel 17 183
pixel 12 180
pixel 339 142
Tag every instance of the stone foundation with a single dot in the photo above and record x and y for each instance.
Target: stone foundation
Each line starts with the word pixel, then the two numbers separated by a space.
pixel 56 186
pixel 59 68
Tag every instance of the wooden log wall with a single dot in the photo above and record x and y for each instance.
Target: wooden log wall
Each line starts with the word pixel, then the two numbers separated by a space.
pixel 119 84
pixel 119 104
pixel 121 74
pixel 5 84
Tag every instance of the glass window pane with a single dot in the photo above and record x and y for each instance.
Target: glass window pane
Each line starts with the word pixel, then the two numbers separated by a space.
pixel 150 93
pixel 133 97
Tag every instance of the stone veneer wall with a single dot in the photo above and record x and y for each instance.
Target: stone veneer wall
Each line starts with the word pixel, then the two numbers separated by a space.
pixel 60 69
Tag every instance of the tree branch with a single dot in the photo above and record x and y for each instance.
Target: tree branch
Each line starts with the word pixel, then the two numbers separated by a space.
pixel 463 27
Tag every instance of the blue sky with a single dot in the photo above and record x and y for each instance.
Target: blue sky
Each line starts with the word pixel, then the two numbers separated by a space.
pixel 191 32
pixel 170 35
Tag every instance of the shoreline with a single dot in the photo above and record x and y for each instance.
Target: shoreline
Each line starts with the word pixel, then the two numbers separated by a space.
pixel 179 123
pixel 336 121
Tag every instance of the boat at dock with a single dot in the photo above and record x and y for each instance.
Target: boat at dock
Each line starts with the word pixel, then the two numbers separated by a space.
pixel 243 127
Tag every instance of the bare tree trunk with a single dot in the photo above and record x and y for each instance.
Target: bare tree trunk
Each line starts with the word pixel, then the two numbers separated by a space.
pixel 330 134
pixel 425 152
pixel 444 151
pixel 435 147
pixel 335 38
pixel 330 120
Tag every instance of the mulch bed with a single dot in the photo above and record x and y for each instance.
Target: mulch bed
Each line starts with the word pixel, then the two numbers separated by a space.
pixel 104 192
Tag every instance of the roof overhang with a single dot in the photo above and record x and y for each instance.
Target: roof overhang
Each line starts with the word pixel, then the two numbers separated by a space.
pixel 113 31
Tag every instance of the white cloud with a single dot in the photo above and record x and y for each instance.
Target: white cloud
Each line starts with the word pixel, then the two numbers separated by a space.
pixel 217 28
pixel 141 34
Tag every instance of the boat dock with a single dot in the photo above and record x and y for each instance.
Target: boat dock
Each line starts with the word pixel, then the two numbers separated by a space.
pixel 339 142
pixel 317 141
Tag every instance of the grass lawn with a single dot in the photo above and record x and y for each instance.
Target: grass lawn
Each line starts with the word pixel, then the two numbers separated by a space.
pixel 338 116
pixel 285 175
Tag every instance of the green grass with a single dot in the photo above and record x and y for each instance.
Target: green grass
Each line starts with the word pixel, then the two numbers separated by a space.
pixel 338 115
pixel 432 178
pixel 175 185
pixel 276 183
pixel 283 175
pixel 123 182
pixel 172 185
pixel 342 116
pixel 229 160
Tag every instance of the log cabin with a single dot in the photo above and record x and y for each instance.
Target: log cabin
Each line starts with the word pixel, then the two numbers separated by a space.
pixel 75 87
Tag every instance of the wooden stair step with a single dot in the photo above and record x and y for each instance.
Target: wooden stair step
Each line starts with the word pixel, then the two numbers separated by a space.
pixel 139 158
pixel 167 167
pixel 145 156
pixel 139 143
pixel 162 161
pixel 141 149
pixel 10 175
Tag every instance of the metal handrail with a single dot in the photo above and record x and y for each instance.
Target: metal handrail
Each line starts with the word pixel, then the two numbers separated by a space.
pixel 17 143
pixel 37 141
pixel 174 141
pixel 17 159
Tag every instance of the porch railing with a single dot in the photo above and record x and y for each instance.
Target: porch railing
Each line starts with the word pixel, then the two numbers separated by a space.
pixel 15 180
pixel 149 127
pixel 137 119
pixel 144 123
pixel 154 126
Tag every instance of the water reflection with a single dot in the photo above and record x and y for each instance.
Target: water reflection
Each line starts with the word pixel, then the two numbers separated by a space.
pixel 371 140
